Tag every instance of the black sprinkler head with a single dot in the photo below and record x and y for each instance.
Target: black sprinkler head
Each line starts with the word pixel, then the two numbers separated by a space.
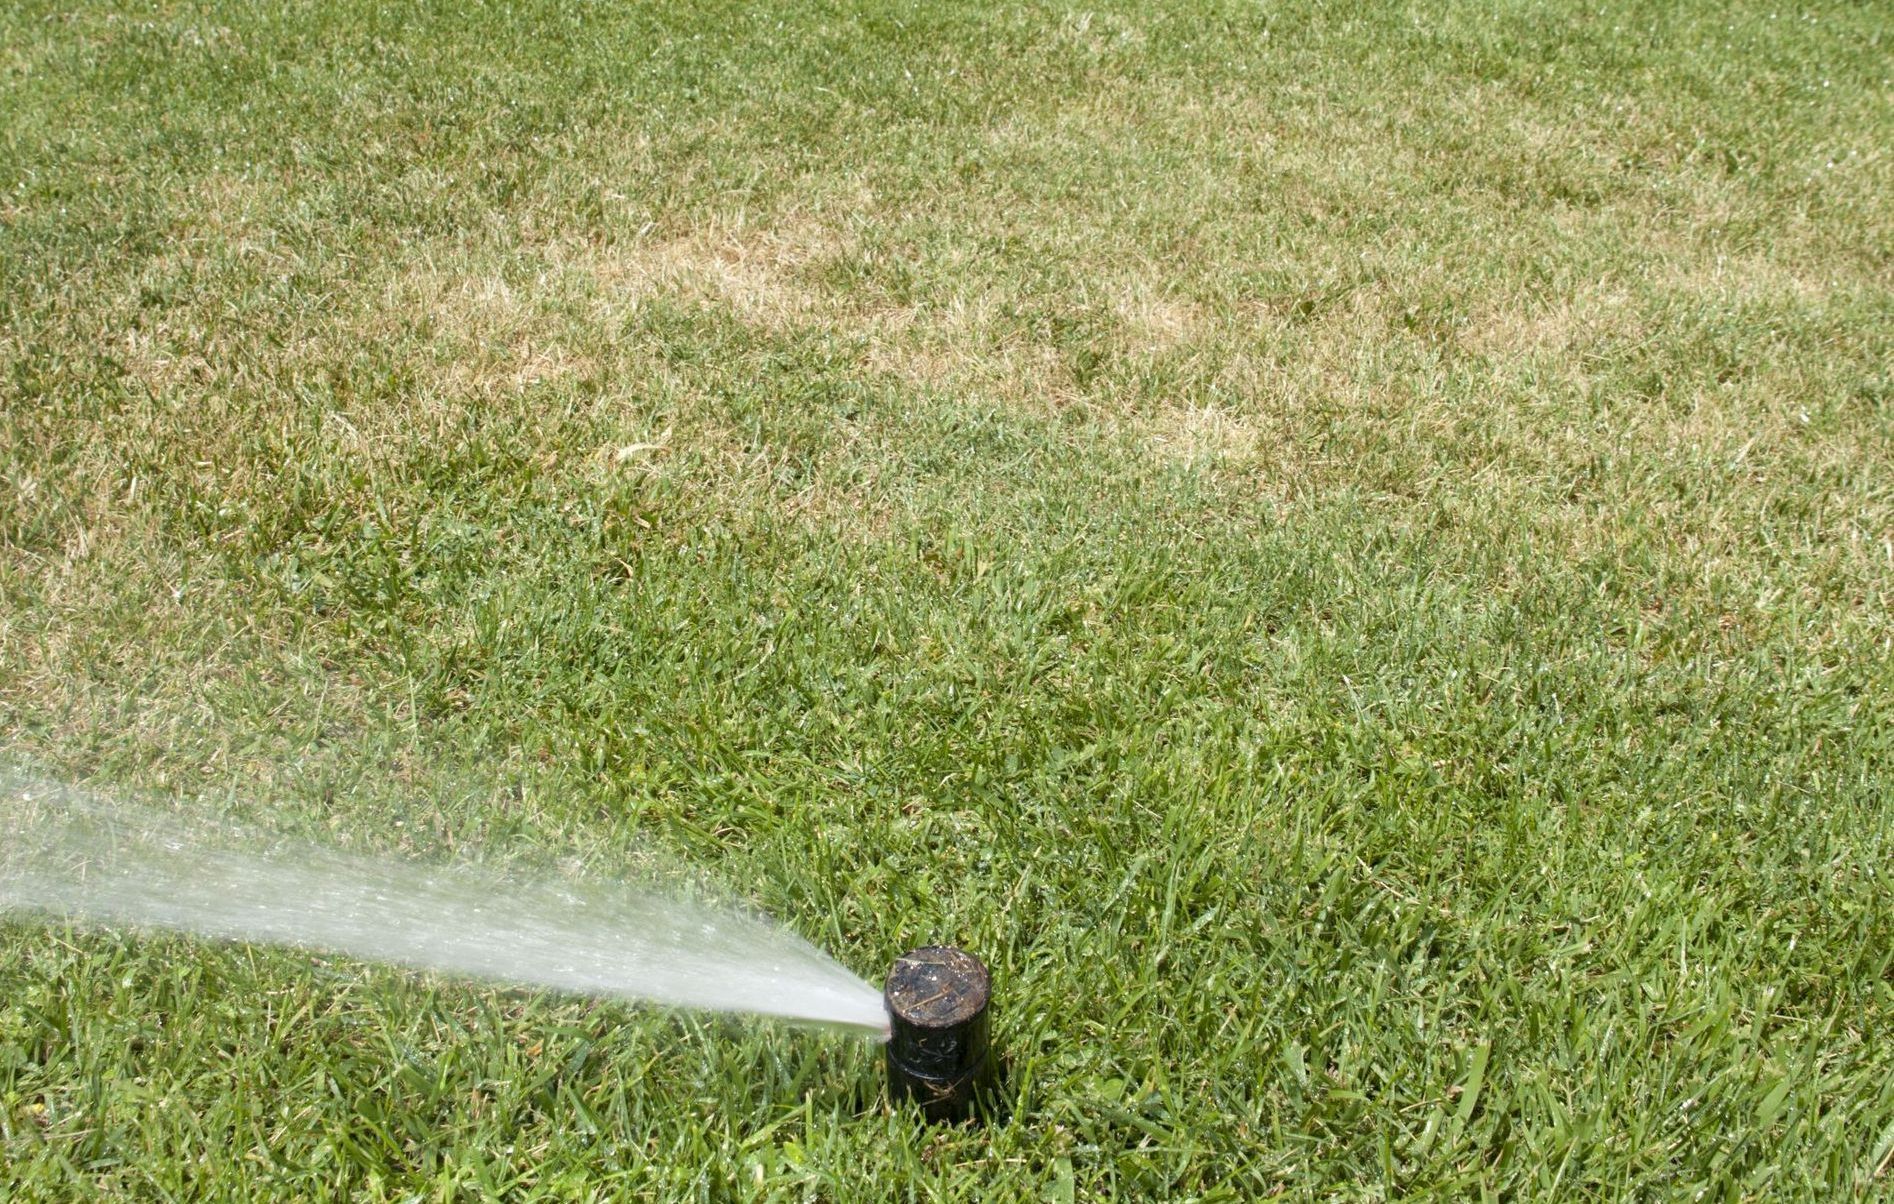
pixel 938 1055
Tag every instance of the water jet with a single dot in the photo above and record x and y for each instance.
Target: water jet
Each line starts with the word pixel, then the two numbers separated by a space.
pixel 70 853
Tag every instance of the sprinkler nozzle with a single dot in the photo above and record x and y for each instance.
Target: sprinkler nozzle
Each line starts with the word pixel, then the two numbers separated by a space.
pixel 938 1055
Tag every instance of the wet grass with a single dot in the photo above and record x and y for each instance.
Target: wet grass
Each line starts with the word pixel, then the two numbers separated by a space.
pixel 1346 552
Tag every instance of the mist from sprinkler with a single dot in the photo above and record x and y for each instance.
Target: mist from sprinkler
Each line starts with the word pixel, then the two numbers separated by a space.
pixel 78 855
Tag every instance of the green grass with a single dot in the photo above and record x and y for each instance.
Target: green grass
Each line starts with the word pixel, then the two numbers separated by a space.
pixel 1347 550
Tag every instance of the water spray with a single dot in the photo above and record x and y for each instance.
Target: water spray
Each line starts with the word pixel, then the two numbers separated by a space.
pixel 68 852
pixel 939 1054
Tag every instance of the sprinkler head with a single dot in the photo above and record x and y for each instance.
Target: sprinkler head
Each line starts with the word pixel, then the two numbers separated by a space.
pixel 938 1054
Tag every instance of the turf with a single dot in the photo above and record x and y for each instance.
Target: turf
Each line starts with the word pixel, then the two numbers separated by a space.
pixel 1345 549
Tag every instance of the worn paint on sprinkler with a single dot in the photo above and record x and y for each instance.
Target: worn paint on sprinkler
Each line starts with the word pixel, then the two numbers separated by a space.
pixel 939 1055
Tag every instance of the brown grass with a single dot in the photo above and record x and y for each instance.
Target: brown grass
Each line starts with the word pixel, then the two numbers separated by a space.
pixel 758 272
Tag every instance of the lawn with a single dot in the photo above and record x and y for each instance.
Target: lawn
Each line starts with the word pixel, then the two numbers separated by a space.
pixel 1345 549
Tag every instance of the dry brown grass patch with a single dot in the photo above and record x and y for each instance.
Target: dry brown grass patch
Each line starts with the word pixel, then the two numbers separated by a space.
pixel 760 273
pixel 1154 321
pixel 1523 328
pixel 1202 435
